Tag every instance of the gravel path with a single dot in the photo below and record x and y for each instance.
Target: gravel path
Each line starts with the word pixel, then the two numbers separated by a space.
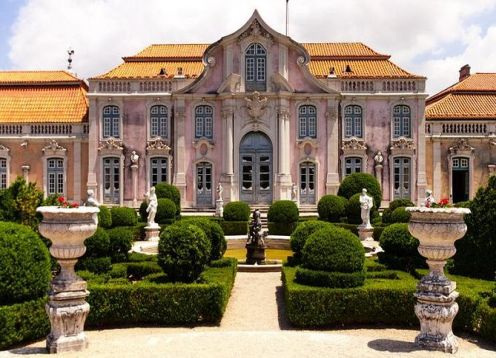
pixel 253 326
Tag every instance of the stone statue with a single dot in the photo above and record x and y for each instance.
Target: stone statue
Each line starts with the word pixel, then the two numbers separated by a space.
pixel 91 201
pixel 255 236
pixel 134 158
pixel 378 159
pixel 429 199
pixel 152 206
pixel 294 192
pixel 366 204
pixel 219 190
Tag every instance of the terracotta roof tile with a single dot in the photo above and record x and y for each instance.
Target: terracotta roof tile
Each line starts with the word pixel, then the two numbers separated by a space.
pixel 477 82
pixel 173 50
pixel 359 68
pixel 152 69
pixel 23 77
pixel 340 49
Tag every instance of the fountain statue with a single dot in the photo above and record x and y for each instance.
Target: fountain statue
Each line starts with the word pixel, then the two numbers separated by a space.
pixel 255 245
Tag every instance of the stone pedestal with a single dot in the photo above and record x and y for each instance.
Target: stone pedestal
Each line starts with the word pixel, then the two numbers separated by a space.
pixel 378 173
pixel 66 307
pixel 134 169
pixel 255 254
pixel 152 232
pixel 219 208
pixel 366 233
pixel 437 229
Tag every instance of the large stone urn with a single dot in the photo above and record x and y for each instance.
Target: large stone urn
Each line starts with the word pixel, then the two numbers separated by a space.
pixel 67 309
pixel 437 229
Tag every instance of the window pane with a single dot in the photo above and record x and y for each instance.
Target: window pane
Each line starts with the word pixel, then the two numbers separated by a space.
pixel 353 121
pixel 204 122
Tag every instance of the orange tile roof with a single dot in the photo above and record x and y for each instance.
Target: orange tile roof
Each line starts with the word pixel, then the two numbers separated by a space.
pixel 42 97
pixel 364 62
pixel 472 98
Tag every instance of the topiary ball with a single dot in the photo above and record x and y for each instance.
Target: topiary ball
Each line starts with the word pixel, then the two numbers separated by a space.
pixel 104 217
pixel 122 216
pixel 354 211
pixel 334 250
pixel 121 241
pixel 283 211
pixel 400 215
pixel 396 240
pixel 24 264
pixel 214 233
pixel 386 214
pixel 354 183
pixel 166 211
pixel 183 252
pixel 98 245
pixel 302 232
pixel 332 207
pixel 167 191
pixel 236 211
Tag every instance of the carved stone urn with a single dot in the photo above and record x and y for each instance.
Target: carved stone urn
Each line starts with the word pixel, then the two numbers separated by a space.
pixel 437 229
pixel 67 228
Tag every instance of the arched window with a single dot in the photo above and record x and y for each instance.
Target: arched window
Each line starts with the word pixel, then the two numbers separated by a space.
pixel 3 173
pixel 402 121
pixel 255 67
pixel 204 122
pixel 307 121
pixel 352 165
pixel 158 170
pixel 159 118
pixel 353 121
pixel 55 176
pixel 111 119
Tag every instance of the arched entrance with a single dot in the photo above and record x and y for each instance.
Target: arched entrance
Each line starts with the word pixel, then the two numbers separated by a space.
pixel 255 168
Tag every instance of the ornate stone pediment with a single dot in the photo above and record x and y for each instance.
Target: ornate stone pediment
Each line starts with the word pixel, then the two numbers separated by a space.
pixel 111 146
pixel 4 151
pixel 54 149
pixel 255 30
pixel 402 145
pixel 203 146
pixel 461 147
pixel 256 105
pixel 157 146
pixel 353 144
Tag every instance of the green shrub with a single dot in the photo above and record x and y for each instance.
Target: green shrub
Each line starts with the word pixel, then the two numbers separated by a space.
pixel 168 191
pixel 138 270
pixel 400 215
pixel 480 240
pixel 51 200
pixel 283 211
pixel 354 183
pixel 19 201
pixel 329 279
pixel 143 215
pixel 400 248
pixel 281 228
pixel 140 257
pixel 23 322
pixel 353 210
pixel 236 211
pixel 183 252
pixel 353 228
pixel 332 207
pixel 214 233
pixel 301 234
pixel 121 241
pixel 397 203
pixel 24 264
pixel 98 245
pixel 378 232
pixel 234 227
pixel 122 216
pixel 96 265
pixel 104 217
pixel 334 250
pixel 463 204
pixel 166 211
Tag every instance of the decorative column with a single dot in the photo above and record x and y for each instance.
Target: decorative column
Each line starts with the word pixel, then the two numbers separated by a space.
pixel 179 150
pixel 134 170
pixel 284 176
pixel 437 229
pixel 228 142
pixel 421 176
pixel 66 308
pixel 332 180
pixel 93 144
pixel 436 170
pixel 25 172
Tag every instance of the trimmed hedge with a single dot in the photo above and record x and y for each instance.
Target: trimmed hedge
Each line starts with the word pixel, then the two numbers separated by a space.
pixel 122 216
pixel 167 191
pixel 332 207
pixel 104 217
pixel 166 211
pixel 281 228
pixel 121 241
pixel 329 279
pixel 98 245
pixel 302 233
pixel 24 264
pixel 397 203
pixel 283 211
pixel 354 183
pixel 236 211
pixel 353 210
pixel 400 248
pixel 95 264
pixel 400 215
pixel 214 233
pixel 234 227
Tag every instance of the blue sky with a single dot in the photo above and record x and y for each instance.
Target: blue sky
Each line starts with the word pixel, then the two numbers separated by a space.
pixel 427 37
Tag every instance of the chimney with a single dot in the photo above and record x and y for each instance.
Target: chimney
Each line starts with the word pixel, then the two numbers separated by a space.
pixel 464 73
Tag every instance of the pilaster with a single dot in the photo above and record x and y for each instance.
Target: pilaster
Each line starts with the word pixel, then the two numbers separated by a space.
pixel 332 125
pixel 180 149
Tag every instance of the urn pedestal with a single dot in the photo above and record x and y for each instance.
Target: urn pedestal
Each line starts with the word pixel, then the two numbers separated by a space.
pixel 255 254
pixel 66 308
pixel 437 229
pixel 152 232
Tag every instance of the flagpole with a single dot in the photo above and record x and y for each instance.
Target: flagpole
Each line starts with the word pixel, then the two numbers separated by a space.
pixel 287 16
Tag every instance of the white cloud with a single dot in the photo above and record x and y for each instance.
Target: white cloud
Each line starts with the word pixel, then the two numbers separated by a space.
pixel 102 31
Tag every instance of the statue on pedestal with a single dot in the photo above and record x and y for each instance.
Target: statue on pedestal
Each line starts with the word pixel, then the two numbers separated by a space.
pixel 378 159
pixel 255 246
pixel 429 199
pixel 152 206
pixel 134 158
pixel 219 190
pixel 366 204
pixel 91 201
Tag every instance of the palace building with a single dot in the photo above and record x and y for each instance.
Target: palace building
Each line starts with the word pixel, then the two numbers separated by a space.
pixel 461 136
pixel 267 117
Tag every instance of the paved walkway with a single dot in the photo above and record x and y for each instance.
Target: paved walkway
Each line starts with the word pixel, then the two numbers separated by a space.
pixel 253 326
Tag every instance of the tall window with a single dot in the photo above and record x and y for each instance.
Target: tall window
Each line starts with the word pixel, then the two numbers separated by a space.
pixel 158 168
pixel 204 121
pixel 353 121
pixel 255 67
pixel 159 122
pixel 402 120
pixel 352 165
pixel 55 176
pixel 111 180
pixel 111 118
pixel 307 119
pixel 3 173
pixel 402 178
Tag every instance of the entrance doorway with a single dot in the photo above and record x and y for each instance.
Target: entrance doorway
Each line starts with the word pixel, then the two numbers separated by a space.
pixel 204 184
pixel 460 179
pixel 255 168
pixel 307 183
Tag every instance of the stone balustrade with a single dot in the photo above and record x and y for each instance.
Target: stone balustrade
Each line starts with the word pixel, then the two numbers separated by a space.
pixel 376 86
pixel 46 129
pixel 460 128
